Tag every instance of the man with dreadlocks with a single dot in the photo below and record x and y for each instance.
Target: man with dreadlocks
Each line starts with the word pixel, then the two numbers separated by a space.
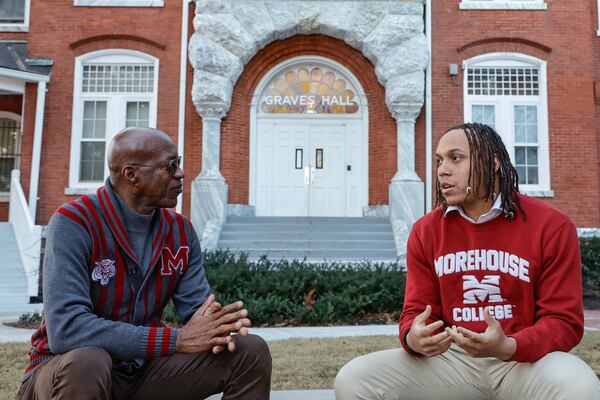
pixel 493 299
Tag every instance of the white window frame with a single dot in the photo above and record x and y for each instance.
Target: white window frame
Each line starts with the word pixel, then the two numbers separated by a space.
pixel 598 12
pixel 116 109
pixel 118 3
pixel 503 5
pixel 504 119
pixel 18 27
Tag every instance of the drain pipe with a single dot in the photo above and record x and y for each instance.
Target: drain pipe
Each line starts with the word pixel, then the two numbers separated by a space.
pixel 428 110
pixel 185 15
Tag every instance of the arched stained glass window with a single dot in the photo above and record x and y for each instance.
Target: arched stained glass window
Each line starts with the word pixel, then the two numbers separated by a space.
pixel 309 89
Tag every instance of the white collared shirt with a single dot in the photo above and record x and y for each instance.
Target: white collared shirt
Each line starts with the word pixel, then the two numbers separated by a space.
pixel 495 211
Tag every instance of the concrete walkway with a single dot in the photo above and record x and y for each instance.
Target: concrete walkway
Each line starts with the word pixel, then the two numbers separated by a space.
pixel 8 334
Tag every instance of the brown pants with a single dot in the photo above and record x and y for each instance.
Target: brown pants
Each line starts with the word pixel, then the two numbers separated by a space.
pixel 87 373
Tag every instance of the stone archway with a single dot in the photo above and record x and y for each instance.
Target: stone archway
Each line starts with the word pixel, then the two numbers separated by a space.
pixel 228 33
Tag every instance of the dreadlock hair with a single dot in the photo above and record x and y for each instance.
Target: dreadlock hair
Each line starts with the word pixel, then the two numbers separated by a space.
pixel 484 144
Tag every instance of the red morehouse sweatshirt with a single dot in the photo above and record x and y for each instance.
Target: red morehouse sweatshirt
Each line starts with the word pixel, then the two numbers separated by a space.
pixel 528 272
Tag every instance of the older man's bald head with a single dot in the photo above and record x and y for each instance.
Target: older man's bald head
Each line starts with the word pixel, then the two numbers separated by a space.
pixel 136 146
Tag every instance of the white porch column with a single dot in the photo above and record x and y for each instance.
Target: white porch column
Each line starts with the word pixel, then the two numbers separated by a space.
pixel 37 148
pixel 406 191
pixel 209 190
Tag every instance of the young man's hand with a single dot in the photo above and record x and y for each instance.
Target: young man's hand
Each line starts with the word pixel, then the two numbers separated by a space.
pixel 419 339
pixel 491 343
pixel 211 326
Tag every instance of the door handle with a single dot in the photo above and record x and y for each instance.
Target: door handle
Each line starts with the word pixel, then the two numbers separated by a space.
pixel 306 175
pixel 312 174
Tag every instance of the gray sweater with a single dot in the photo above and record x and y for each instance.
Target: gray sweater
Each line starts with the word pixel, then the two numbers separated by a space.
pixel 97 291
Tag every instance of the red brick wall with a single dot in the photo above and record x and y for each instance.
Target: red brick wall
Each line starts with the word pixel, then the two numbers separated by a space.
pixel 11 103
pixel 572 125
pixel 62 32
pixel 235 128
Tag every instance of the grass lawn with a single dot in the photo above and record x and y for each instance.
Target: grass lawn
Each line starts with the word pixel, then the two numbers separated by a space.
pixel 297 363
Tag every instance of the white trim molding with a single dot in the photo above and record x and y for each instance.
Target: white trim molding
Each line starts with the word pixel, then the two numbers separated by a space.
pixel 503 5
pixel 18 27
pixel 598 13
pixel 505 107
pixel 118 3
pixel 115 103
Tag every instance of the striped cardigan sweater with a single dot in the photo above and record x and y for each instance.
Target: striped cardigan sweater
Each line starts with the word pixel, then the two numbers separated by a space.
pixel 97 294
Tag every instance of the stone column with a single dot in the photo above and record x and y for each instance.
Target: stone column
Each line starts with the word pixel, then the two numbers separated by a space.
pixel 209 190
pixel 406 191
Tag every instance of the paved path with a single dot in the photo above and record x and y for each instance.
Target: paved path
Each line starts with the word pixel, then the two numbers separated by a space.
pixel 8 334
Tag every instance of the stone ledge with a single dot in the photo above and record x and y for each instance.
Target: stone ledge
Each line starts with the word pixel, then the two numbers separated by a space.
pixel 118 3
pixel 76 191
pixel 14 28
pixel 473 5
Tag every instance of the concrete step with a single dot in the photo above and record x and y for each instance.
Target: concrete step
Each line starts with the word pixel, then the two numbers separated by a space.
pixel 14 311
pixel 14 298
pixel 308 220
pixel 303 235
pixel 312 238
pixel 307 244
pixel 320 255
pixel 294 395
pixel 304 227
pixel 13 286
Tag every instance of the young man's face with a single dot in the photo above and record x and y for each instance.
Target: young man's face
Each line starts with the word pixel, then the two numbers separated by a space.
pixel 453 164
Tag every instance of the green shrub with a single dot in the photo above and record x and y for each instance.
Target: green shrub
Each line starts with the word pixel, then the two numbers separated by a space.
pixel 282 292
pixel 31 318
pixel 296 292
pixel 590 262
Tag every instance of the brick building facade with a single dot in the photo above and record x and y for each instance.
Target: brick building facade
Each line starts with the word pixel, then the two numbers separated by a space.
pixel 493 41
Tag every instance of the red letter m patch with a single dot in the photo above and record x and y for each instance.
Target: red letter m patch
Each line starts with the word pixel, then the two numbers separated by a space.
pixel 176 262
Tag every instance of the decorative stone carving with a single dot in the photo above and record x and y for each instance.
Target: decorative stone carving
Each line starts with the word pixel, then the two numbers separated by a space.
pixel 389 33
pixel 225 30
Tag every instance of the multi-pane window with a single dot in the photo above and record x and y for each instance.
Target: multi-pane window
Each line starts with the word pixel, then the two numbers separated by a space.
pixel 12 11
pixel 118 78
pixel 114 91
pixel 516 81
pixel 10 135
pixel 93 141
pixel 138 113
pixel 507 92
pixel 526 144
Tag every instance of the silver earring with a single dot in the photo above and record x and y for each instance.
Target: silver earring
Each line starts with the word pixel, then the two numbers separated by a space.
pixel 494 196
pixel 469 190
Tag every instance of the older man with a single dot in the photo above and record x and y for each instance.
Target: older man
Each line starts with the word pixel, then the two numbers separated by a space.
pixel 113 261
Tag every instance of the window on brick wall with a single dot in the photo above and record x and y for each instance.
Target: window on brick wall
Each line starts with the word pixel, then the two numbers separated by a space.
pixel 503 5
pixel 508 92
pixel 114 89
pixel 14 15
pixel 10 147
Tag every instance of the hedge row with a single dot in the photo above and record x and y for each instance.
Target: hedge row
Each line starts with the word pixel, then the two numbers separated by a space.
pixel 281 292
pixel 295 292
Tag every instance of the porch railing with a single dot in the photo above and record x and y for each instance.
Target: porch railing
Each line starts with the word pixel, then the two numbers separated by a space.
pixel 27 233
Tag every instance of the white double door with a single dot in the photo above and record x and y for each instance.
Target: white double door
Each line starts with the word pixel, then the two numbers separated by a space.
pixel 309 169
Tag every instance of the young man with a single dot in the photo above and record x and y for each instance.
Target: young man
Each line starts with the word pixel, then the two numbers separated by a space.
pixel 113 262
pixel 493 298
